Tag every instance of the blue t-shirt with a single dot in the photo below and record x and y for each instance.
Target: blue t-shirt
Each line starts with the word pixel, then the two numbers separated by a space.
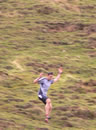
pixel 44 85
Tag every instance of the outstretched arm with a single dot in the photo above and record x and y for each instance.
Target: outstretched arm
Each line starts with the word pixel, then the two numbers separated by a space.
pixel 37 79
pixel 59 74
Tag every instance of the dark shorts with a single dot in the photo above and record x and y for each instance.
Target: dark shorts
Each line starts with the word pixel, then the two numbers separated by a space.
pixel 43 98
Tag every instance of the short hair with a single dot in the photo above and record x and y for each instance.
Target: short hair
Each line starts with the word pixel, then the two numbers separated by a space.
pixel 50 73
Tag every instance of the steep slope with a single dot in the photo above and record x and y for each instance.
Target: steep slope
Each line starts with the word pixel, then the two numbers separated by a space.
pixel 40 36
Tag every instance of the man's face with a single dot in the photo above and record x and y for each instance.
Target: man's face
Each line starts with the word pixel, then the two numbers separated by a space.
pixel 50 77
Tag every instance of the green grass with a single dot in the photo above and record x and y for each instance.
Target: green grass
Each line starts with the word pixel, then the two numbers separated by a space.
pixel 40 36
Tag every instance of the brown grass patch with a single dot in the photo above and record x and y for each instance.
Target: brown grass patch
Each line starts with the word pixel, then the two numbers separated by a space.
pixel 3 75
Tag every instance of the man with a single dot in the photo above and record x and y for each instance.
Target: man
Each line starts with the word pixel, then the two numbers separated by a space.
pixel 45 83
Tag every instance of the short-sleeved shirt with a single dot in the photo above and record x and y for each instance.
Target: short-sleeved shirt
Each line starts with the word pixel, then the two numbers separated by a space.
pixel 44 85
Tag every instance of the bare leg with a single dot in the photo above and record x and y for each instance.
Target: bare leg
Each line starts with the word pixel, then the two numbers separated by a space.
pixel 48 108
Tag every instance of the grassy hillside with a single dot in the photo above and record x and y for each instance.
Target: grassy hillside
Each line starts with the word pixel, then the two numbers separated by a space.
pixel 40 36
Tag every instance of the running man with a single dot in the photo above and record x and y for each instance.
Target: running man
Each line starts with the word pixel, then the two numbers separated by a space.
pixel 45 83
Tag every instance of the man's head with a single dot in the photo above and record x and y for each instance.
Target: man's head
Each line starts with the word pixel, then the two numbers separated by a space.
pixel 49 75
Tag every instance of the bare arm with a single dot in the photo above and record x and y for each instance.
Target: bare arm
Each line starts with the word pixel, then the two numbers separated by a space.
pixel 59 74
pixel 37 79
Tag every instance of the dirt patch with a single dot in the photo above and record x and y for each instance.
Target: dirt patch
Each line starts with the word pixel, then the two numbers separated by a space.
pixel 90 28
pixel 71 27
pixel 92 53
pixel 59 27
pixel 35 101
pixel 87 7
pixel 3 75
pixel 46 10
pixel 92 101
pixel 61 95
pixel 42 129
pixel 75 97
pixel 2 1
pixel 92 45
pixel 61 43
pixel 5 125
pixel 53 94
pixel 91 82
pixel 68 124
pixel 9 67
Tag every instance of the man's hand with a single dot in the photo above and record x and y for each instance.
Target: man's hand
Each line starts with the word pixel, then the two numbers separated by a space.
pixel 37 79
pixel 41 75
pixel 60 70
